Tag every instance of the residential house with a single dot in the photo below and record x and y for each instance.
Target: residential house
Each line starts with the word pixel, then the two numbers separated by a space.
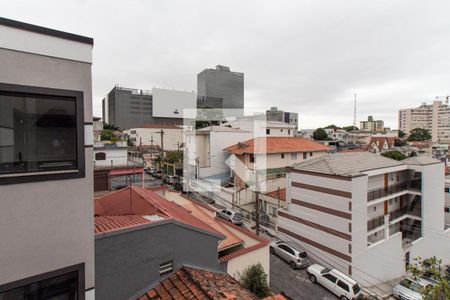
pixel 46 208
pixel 365 214
pixel 381 144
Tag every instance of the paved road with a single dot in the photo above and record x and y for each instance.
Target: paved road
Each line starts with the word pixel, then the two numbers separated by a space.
pixel 295 283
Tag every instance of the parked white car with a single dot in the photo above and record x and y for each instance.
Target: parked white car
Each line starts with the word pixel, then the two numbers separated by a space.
pixel 410 289
pixel 296 259
pixel 343 286
pixel 229 215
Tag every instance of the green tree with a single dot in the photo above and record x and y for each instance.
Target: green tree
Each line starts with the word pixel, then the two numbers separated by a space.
pixel 434 269
pixel 174 156
pixel 401 134
pixel 397 155
pixel 254 279
pixel 332 126
pixel 419 134
pixel 350 128
pixel 109 126
pixel 106 135
pixel 320 135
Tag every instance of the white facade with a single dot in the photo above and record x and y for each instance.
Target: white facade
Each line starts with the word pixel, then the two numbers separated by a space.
pixel 447 202
pixel 171 103
pixel 368 225
pixel 151 135
pixel 110 157
pixel 261 127
pixel 434 117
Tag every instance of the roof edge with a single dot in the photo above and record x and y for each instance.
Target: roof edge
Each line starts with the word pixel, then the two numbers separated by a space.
pixel 46 31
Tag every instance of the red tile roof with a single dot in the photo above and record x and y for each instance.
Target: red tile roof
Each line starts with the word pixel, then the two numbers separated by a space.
pixel 139 201
pixel 379 142
pixel 274 144
pixel 278 194
pixel 104 224
pixel 191 283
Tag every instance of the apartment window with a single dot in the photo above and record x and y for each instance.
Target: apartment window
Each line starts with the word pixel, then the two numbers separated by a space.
pixel 100 156
pixel 166 268
pixel 349 248
pixel 349 227
pixel 305 155
pixel 293 156
pixel 41 133
pixel 289 131
pixel 267 131
pixel 310 154
pixel 282 155
pixel 67 283
pixel 281 130
pixel 374 208
pixel 447 209
pixel 447 190
pixel 252 158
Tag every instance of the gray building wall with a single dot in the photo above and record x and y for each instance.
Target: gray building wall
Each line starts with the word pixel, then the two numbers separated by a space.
pixel 131 108
pixel 127 262
pixel 222 83
pixel 47 225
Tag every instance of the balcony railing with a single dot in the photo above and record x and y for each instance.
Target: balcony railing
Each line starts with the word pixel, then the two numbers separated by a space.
pixel 374 223
pixel 393 189
pixel 403 211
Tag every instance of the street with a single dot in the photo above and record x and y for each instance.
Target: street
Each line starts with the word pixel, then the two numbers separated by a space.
pixel 295 283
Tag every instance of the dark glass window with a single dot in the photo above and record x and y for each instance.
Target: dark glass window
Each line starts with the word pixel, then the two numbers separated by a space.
pixel 267 131
pixel 330 277
pixel 304 155
pixel 252 158
pixel 38 132
pixel 100 156
pixel 282 155
pixel 343 285
pixel 63 287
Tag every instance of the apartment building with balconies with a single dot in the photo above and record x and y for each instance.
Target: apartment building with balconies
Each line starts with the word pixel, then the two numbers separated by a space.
pixel 365 214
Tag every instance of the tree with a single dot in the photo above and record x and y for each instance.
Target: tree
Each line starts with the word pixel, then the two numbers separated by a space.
pixel 432 268
pixel 399 143
pixel 397 155
pixel 320 135
pixel 109 126
pixel 419 134
pixel 174 156
pixel 254 279
pixel 401 134
pixel 332 126
pixel 106 135
pixel 350 128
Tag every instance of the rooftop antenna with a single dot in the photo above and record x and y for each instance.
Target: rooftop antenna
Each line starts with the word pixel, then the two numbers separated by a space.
pixel 354 114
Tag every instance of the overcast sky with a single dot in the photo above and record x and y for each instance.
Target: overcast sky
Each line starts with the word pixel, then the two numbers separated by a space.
pixel 308 57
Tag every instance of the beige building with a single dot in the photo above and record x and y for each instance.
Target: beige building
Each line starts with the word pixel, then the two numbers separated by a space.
pixel 371 125
pixel 434 117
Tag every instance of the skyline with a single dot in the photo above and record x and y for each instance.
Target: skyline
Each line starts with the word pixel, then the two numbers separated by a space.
pixel 381 51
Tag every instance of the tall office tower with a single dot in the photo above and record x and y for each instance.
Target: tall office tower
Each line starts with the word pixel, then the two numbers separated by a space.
pixel 222 83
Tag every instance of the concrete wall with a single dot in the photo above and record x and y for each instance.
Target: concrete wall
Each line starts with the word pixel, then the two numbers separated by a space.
pixel 127 262
pixel 173 137
pixel 172 103
pixel 114 157
pixel 238 265
pixel 48 225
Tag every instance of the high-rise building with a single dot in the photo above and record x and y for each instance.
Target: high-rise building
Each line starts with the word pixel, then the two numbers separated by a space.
pixel 274 114
pixel 130 108
pixel 222 83
pixel 433 117
pixel 46 180
pixel 371 125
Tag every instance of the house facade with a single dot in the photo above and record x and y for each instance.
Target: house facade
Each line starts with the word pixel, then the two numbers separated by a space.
pixel 46 182
pixel 365 214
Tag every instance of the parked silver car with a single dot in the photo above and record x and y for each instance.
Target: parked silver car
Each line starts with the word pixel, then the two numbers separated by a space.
pixel 410 289
pixel 296 259
pixel 229 215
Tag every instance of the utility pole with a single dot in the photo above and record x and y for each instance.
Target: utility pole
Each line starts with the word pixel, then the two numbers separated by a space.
pixel 256 202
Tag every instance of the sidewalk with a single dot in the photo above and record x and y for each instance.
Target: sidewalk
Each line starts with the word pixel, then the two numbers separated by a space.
pixel 383 290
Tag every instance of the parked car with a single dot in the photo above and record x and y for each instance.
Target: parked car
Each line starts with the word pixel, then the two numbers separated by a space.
pixel 410 289
pixel 171 179
pixel 151 171
pixel 296 259
pixel 343 286
pixel 159 174
pixel 232 216
pixel 178 186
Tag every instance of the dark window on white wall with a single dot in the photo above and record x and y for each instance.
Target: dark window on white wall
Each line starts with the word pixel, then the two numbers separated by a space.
pixel 267 131
pixel 252 158
pixel 282 155
pixel 100 156
pixel 304 155
pixel 67 284
pixel 41 133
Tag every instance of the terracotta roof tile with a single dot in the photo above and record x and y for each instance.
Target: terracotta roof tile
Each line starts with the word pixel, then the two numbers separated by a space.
pixel 139 201
pixel 193 284
pixel 104 224
pixel 276 145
